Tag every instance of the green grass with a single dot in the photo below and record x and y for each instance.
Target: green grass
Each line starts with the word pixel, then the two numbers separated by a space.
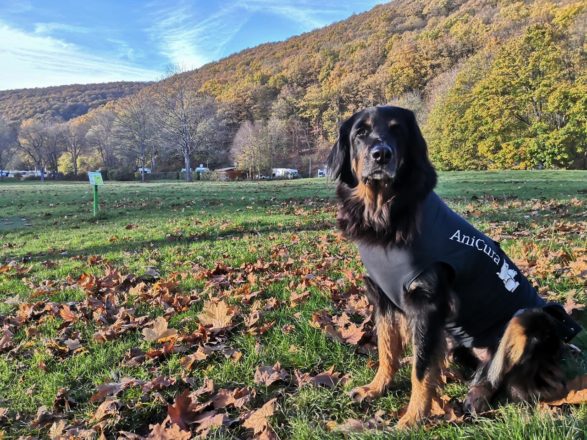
pixel 182 228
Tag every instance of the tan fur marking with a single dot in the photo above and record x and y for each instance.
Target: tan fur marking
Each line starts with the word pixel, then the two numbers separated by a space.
pixel 509 352
pixel 391 338
pixel 423 391
pixel 390 345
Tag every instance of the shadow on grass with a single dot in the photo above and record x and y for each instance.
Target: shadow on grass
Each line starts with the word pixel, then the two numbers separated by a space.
pixel 174 240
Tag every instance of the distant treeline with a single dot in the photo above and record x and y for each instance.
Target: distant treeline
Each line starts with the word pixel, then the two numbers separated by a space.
pixel 495 84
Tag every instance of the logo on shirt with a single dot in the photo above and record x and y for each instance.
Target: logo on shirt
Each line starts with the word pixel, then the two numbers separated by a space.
pixel 476 243
pixel 508 276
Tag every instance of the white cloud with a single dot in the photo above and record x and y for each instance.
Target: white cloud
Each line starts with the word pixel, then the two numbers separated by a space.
pixel 50 28
pixel 36 60
pixel 189 40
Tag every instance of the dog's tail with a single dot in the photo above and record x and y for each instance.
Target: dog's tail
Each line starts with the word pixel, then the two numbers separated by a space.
pixel 526 360
pixel 509 352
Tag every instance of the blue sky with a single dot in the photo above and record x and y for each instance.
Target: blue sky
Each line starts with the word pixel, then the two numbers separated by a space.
pixel 54 42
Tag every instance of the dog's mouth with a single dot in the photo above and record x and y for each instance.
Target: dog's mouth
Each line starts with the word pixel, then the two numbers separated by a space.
pixel 379 176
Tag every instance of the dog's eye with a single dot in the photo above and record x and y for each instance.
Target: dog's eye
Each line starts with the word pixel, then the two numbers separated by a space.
pixel 361 131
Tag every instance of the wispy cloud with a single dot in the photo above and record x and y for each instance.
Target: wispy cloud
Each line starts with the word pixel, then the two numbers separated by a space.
pixel 31 60
pixel 188 39
pixel 51 28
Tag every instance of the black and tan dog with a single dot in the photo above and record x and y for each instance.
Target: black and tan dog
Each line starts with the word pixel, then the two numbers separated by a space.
pixel 432 274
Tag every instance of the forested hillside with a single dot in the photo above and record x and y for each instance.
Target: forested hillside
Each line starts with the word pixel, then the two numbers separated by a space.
pixel 62 102
pixel 494 83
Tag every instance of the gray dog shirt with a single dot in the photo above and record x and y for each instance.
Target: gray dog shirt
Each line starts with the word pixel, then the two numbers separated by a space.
pixel 488 287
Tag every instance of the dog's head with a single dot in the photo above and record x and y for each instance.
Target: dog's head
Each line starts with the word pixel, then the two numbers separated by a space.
pixel 381 148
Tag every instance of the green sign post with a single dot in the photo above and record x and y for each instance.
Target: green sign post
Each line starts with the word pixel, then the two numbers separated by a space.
pixel 95 180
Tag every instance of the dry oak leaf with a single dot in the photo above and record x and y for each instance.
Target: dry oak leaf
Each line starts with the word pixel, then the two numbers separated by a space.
pixel 576 393
pixel 258 420
pixel 267 375
pixel 159 332
pixel 217 315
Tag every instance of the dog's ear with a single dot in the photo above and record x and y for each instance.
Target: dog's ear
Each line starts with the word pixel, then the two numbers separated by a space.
pixel 421 167
pixel 339 159
pixel 417 142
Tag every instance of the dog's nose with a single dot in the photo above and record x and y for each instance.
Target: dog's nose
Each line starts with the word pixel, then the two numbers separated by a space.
pixel 381 154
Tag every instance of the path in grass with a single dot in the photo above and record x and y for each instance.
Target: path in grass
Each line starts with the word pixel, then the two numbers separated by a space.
pixel 76 293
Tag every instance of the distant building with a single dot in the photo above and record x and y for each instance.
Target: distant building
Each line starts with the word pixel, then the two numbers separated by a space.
pixel 230 173
pixel 284 173
pixel 202 169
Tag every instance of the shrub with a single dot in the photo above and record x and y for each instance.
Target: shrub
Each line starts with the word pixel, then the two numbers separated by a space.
pixel 124 174
pixel 165 175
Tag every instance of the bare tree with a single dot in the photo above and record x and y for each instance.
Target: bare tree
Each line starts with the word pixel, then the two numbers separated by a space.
pixel 54 146
pixel 75 139
pixel 258 145
pixel 135 129
pixel 7 142
pixel 101 135
pixel 185 118
pixel 32 142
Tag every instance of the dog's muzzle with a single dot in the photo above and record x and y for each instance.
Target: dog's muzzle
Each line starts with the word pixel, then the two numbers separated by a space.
pixel 382 163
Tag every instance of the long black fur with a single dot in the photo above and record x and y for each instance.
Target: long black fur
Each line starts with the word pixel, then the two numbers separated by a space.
pixel 428 299
pixel 416 177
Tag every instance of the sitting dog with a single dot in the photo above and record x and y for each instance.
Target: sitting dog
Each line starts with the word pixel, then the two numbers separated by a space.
pixel 432 274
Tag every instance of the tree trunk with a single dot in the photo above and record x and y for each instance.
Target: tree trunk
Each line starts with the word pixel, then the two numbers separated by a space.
pixel 74 163
pixel 143 169
pixel 188 167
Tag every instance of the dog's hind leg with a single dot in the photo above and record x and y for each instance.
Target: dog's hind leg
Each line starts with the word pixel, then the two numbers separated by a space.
pixel 391 336
pixel 527 360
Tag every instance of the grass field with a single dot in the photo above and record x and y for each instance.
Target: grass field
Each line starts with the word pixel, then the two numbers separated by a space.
pixel 76 294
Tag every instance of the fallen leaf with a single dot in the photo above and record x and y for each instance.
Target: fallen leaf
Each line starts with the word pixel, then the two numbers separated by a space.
pixel 576 393
pixel 162 431
pixel 201 354
pixel 107 409
pixel 217 315
pixel 328 378
pixel 43 417
pixel 209 420
pixel 159 332
pixel 258 420
pixel 181 412
pixel 236 398
pixel 267 375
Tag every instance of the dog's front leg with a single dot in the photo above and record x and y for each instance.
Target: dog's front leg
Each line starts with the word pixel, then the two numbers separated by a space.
pixel 391 338
pixel 390 345
pixel 427 308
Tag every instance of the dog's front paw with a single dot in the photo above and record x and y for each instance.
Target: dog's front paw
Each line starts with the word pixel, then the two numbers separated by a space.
pixel 366 392
pixel 409 420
